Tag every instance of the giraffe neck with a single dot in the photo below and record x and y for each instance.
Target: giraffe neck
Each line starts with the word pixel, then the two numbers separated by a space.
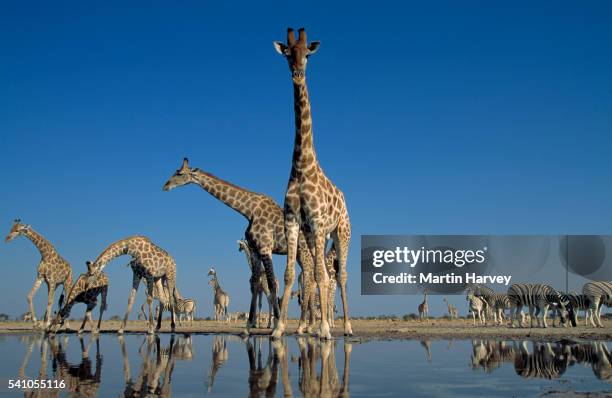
pixel 116 249
pixel 304 156
pixel 239 199
pixel 45 248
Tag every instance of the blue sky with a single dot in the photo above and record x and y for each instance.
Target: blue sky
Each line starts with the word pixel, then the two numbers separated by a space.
pixel 431 118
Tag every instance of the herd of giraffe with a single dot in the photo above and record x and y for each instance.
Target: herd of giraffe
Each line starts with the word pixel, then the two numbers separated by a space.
pixel 314 213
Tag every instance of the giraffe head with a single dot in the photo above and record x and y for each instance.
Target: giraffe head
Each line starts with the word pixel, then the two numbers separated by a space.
pixel 184 175
pixel 17 229
pixel 297 53
pixel 212 272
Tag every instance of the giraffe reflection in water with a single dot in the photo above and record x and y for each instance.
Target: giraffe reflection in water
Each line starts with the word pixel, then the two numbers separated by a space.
pixel 542 359
pixel 79 376
pixel 155 373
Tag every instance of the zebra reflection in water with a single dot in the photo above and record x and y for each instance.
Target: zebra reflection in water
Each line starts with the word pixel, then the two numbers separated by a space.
pixel 543 360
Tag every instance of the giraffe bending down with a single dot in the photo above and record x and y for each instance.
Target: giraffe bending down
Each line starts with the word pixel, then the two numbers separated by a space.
pixel 258 282
pixel 453 312
pixel 221 301
pixel 158 268
pixel 265 233
pixel 313 203
pixel 85 290
pixel 52 269
pixel 424 308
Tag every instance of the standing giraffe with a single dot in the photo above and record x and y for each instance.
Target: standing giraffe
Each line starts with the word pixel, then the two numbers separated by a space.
pixel 453 312
pixel 258 282
pixel 313 203
pixel 52 269
pixel 221 300
pixel 265 233
pixel 158 268
pixel 85 290
pixel 424 308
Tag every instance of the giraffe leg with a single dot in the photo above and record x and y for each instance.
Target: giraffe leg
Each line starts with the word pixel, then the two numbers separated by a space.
pixel 82 325
pixel 172 302
pixel 33 291
pixel 150 289
pixel 255 275
pixel 305 286
pixel 88 317
pixel 322 281
pixel 50 297
pixel 341 238
pixel 102 308
pixel 292 231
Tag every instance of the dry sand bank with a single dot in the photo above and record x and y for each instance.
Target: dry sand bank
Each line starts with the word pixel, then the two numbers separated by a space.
pixel 370 329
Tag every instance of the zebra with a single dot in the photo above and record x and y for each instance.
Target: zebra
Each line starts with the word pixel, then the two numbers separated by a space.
pixel 596 354
pixel 477 306
pixel 538 297
pixel 545 362
pixel 578 302
pixel 498 302
pixel 185 308
pixel 598 293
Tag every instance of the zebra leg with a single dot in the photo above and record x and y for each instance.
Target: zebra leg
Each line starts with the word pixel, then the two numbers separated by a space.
pixel 598 312
pixel 594 303
pixel 544 311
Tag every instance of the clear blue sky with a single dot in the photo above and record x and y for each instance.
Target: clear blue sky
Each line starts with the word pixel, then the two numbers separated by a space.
pixel 441 118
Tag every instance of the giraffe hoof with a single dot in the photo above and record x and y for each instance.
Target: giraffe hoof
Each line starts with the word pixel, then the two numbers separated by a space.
pixel 276 334
pixel 120 331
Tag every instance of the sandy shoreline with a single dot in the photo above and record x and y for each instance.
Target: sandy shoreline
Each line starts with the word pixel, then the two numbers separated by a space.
pixel 367 330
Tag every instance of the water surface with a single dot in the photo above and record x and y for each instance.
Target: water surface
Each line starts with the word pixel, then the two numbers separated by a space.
pixel 223 365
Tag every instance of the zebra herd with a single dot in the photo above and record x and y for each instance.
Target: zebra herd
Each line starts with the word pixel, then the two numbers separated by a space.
pixel 540 299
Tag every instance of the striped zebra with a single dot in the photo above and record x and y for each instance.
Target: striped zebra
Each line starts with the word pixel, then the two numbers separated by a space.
pixel 598 293
pixel 539 298
pixel 597 355
pixel 498 302
pixel 185 308
pixel 544 363
pixel 578 302
pixel 478 306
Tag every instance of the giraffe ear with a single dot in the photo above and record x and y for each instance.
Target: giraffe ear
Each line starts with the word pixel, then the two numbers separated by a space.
pixel 280 48
pixel 313 47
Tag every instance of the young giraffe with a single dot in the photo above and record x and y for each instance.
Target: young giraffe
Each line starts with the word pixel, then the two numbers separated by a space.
pixel 85 290
pixel 52 269
pixel 424 308
pixel 265 233
pixel 258 282
pixel 158 267
pixel 313 203
pixel 221 301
